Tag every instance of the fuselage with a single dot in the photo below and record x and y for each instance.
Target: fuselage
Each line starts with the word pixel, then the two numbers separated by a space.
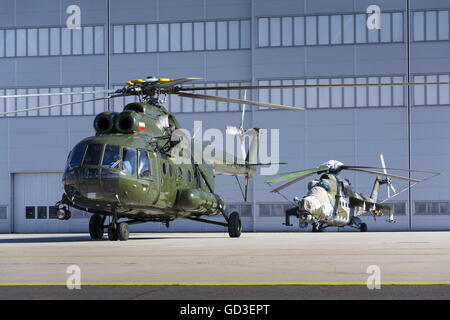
pixel 328 201
pixel 125 174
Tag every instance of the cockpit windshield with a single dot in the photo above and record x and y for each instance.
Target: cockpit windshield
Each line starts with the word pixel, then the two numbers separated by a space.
pixel 76 156
pixel 93 154
pixel 111 158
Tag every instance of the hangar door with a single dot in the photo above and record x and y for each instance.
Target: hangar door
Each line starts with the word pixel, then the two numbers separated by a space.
pixel 34 197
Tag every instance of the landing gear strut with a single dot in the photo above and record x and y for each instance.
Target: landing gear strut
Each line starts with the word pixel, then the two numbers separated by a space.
pixel 118 231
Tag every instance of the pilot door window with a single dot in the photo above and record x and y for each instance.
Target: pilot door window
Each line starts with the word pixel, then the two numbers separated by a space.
pixel 111 158
pixel 129 161
pixel 144 165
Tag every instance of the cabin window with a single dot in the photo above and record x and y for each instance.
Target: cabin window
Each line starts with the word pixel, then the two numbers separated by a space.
pixel 111 158
pixel 180 173
pixel 93 154
pixel 189 175
pixel 170 171
pixel 129 161
pixel 76 155
pixel 144 165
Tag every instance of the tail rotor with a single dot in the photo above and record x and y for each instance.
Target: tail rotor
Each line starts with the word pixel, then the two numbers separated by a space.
pixel 389 181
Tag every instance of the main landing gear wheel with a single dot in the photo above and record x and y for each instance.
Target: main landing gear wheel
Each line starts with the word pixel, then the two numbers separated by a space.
pixel 123 232
pixel 316 228
pixel 96 226
pixel 234 225
pixel 112 232
pixel 363 227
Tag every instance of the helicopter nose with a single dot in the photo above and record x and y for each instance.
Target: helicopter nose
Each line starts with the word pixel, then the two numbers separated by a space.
pixel 92 184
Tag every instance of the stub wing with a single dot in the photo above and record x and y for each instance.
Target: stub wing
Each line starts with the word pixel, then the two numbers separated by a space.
pixel 367 206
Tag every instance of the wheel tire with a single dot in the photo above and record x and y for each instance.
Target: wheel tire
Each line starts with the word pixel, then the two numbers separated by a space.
pixel 96 226
pixel 363 227
pixel 123 232
pixel 316 229
pixel 112 232
pixel 234 225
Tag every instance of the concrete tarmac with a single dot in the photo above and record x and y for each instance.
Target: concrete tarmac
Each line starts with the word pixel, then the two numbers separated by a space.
pixel 212 265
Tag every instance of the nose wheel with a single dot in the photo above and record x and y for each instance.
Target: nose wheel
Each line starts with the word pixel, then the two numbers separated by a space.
pixel 96 226
pixel 363 227
pixel 118 231
pixel 317 228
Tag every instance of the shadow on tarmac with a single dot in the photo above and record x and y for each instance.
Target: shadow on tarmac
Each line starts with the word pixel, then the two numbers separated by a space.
pixel 79 238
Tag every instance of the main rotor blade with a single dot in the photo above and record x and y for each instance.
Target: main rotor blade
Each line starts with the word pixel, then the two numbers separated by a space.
pixel 54 94
pixel 382 174
pixel 172 83
pixel 52 106
pixel 263 104
pixel 284 186
pixel 390 169
pixel 298 173
pixel 337 85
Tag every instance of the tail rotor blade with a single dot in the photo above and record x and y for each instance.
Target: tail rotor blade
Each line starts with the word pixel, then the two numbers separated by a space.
pixel 383 164
pixel 392 188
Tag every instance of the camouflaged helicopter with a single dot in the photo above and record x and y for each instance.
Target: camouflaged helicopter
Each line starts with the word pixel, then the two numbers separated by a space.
pixel 128 170
pixel 331 201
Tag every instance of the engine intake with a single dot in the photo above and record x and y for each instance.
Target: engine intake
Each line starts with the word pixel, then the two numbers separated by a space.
pixel 131 121
pixel 104 122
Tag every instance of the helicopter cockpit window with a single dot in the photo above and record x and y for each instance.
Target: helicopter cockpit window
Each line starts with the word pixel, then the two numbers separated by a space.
pixel 111 158
pixel 144 165
pixel 76 155
pixel 129 161
pixel 93 154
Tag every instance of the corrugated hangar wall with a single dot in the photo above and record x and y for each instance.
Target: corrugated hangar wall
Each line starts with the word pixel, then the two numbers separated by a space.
pixel 232 42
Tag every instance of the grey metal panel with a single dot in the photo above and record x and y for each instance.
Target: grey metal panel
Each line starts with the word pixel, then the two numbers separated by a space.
pixel 330 61
pixel 173 10
pixel 32 74
pixel 379 59
pixel 396 5
pixel 430 57
pixel 179 65
pixel 134 11
pixel 417 4
pixel 38 13
pixel 228 65
pixel 269 7
pixel 217 9
pixel 83 70
pixel 126 67
pixel 324 6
